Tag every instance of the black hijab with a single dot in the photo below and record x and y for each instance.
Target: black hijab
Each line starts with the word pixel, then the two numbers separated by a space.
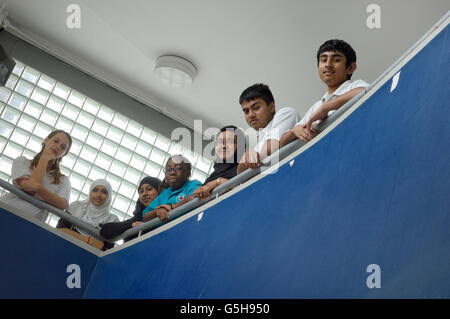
pixel 154 182
pixel 228 170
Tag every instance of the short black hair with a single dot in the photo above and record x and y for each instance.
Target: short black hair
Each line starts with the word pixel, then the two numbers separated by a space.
pixel 341 46
pixel 256 91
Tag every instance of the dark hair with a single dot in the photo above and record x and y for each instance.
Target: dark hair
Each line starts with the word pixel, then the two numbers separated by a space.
pixel 256 91
pixel 180 158
pixel 341 46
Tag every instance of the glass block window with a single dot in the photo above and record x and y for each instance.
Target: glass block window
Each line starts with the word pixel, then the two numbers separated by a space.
pixel 106 144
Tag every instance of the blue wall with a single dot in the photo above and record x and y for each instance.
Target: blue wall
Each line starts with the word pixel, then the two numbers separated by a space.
pixel 34 261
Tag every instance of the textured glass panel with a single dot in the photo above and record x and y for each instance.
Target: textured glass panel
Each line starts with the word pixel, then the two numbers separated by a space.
pixel 31 75
pixel 5 165
pixel 5 128
pixel 76 147
pixel 105 113
pixel 88 153
pixel 121 203
pixel 80 132
pixel 158 156
pixel 69 160
pixel 129 141
pixel 13 150
pixel 27 123
pixel 34 109
pixel 82 167
pixel 87 185
pixel 118 168
pixel 120 121
pixel 64 170
pixel 148 136
pixel 121 217
pixel 94 140
pixel 191 156
pixel 35 144
pixel 175 149
pixel 143 149
pixel 28 154
pixel 47 83
pixel 100 127
pixel 114 181
pixel 49 117
pixel 11 115
pixel 138 162
pixel 61 90
pixel 64 124
pixel 76 98
pixel 55 103
pixel 91 106
pixel 2 143
pixel 85 119
pixel 18 101
pixel 152 169
pixel 40 96
pixel 18 68
pixel 24 88
pixel 162 143
pixel 123 155
pixel 132 176
pixel 20 136
pixel 42 130
pixel 97 173
pixel 4 94
pixel 77 181
pixel 109 147
pixel 114 134
pixel 127 189
pixel 70 111
pixel 134 128
pixel 11 83
pixel 161 175
pixel 103 161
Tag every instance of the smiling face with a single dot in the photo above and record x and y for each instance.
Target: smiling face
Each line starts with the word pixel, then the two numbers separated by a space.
pixel 258 113
pixel 175 174
pixel 226 146
pixel 58 144
pixel 98 195
pixel 147 194
pixel 333 70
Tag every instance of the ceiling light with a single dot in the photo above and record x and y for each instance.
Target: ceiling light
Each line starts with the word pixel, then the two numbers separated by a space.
pixel 175 71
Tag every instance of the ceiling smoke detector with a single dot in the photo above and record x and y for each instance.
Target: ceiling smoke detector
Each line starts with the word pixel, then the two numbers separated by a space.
pixel 175 71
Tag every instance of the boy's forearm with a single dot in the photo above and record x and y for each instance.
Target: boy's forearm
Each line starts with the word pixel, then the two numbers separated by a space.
pixel 341 100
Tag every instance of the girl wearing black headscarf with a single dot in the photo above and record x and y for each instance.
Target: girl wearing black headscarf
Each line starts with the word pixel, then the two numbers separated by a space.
pixel 148 189
pixel 230 146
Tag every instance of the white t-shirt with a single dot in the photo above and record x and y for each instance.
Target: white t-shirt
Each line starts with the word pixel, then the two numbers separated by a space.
pixel 283 121
pixel 21 168
pixel 344 88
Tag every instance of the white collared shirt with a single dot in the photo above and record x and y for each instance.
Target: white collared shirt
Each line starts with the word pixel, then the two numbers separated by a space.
pixel 342 89
pixel 282 122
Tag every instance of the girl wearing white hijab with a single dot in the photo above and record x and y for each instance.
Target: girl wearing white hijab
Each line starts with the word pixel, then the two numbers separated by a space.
pixel 94 210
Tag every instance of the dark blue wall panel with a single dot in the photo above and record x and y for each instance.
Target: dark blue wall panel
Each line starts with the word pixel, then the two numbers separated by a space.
pixel 375 190
pixel 34 261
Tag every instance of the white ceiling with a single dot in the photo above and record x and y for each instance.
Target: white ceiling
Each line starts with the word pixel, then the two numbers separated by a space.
pixel 233 44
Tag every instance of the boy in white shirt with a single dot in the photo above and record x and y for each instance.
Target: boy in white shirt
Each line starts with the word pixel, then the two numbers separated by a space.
pixel 258 105
pixel 336 62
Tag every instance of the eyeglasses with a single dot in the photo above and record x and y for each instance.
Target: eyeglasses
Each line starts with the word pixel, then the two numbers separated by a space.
pixel 169 170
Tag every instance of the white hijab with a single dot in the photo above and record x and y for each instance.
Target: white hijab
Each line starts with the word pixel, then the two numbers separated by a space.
pixel 91 214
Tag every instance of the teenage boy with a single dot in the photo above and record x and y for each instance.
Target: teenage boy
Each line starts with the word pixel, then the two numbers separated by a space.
pixel 336 62
pixel 180 190
pixel 258 105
